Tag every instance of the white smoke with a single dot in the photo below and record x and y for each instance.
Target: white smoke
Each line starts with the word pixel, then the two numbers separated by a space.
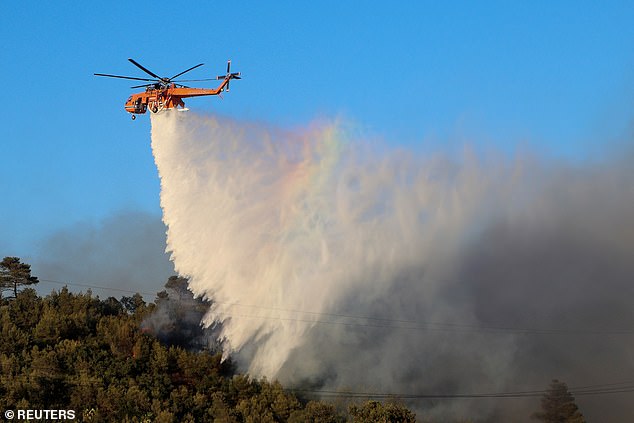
pixel 292 232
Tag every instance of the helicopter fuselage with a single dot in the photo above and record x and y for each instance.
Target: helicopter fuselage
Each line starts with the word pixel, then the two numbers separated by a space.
pixel 171 97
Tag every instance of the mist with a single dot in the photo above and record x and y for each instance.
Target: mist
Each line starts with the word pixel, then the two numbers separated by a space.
pixel 339 262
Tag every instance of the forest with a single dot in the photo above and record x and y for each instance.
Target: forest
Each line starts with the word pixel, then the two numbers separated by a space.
pixel 127 360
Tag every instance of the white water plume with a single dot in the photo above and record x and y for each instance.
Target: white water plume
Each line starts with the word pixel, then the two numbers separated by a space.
pixel 291 233
pixel 278 222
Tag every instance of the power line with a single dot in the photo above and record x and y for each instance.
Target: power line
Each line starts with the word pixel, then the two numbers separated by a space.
pixel 388 323
pixel 589 390
pixel 604 389
pixel 105 288
pixel 456 328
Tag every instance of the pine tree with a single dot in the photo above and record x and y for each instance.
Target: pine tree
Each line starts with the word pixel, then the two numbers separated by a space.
pixel 558 406
pixel 14 274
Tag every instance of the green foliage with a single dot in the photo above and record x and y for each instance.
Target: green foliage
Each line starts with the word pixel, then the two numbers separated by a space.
pixel 134 305
pixel 270 404
pixel 316 412
pixel 75 351
pixel 374 411
pixel 558 406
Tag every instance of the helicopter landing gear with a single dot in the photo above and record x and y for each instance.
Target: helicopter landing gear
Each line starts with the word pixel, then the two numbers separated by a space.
pixel 133 117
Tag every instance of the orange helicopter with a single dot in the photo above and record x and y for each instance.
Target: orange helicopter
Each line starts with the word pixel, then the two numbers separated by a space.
pixel 166 93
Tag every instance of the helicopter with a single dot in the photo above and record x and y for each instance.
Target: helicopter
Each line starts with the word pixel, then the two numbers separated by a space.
pixel 167 93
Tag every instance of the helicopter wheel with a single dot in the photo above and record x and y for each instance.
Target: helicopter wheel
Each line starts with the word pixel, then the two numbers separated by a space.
pixel 133 117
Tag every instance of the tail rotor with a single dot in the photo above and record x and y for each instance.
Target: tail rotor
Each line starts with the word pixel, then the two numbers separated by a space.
pixel 229 76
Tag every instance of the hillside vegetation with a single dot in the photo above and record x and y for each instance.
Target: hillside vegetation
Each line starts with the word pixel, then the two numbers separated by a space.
pixel 94 356
pixel 124 360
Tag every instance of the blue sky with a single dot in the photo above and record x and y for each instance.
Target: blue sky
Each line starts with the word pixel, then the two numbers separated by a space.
pixel 557 77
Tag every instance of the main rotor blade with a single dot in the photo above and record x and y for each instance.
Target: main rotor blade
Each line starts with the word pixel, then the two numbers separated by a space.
pixel 123 77
pixel 141 86
pixel 195 80
pixel 143 69
pixel 185 71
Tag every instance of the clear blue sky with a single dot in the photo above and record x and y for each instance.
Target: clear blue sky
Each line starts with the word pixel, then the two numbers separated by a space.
pixel 558 76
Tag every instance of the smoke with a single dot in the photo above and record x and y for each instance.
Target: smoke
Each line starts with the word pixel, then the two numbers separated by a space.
pixel 124 251
pixel 176 319
pixel 338 262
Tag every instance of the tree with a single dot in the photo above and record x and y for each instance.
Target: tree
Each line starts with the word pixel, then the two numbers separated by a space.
pixel 558 406
pixel 177 315
pixel 75 351
pixel 178 285
pixel 13 273
pixel 316 412
pixel 134 303
pixel 374 411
